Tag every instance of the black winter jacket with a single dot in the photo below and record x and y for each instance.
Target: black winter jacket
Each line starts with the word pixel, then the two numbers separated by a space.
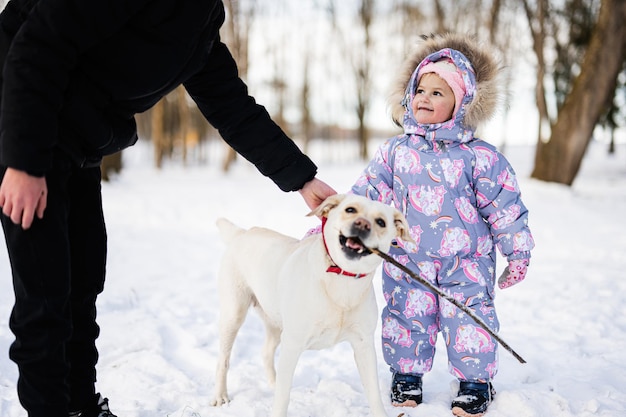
pixel 76 72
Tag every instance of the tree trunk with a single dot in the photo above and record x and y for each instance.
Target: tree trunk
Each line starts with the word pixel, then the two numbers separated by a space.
pixel 111 164
pixel 537 24
pixel 440 17
pixel 559 159
pixel 361 61
pixel 363 74
pixel 184 122
pixel 158 134
pixel 237 27
pixel 306 121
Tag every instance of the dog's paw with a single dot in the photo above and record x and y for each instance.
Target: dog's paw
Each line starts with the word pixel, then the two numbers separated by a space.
pixel 220 400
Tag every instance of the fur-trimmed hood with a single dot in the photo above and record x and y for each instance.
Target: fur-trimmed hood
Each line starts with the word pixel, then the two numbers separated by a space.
pixel 481 99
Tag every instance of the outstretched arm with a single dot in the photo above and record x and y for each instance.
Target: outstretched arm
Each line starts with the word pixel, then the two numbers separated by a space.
pixel 246 126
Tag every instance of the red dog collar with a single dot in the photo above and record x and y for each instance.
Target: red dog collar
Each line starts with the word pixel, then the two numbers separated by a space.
pixel 333 268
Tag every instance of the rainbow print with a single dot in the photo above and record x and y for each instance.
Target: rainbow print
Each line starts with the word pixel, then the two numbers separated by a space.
pixel 432 175
pixel 389 347
pixel 442 219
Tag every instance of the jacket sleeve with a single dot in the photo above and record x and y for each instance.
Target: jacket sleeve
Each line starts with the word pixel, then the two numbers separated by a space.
pixel 376 180
pixel 500 204
pixel 47 41
pixel 223 99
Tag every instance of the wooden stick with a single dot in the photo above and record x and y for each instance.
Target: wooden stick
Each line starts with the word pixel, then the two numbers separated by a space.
pixel 434 289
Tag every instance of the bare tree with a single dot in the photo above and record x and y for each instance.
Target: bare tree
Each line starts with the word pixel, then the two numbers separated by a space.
pixel 278 81
pixel 306 120
pixel 537 17
pixel 440 17
pixel 363 76
pixel 111 164
pixel 169 123
pixel 493 22
pixel 560 157
pixel 615 114
pixel 408 22
pixel 157 128
pixel 236 30
pixel 359 55
pixel 503 35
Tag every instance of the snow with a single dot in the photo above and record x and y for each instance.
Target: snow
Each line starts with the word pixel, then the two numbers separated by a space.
pixel 159 310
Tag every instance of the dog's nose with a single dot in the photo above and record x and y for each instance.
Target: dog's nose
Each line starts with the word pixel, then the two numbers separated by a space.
pixel 362 225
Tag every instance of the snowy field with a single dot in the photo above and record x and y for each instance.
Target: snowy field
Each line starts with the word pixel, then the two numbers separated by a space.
pixel 159 310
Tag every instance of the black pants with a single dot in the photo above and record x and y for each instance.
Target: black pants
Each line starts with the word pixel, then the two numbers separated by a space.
pixel 58 270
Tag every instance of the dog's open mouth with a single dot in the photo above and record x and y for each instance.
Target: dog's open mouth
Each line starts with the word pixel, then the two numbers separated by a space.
pixel 353 246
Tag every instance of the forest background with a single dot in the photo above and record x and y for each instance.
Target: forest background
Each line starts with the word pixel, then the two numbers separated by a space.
pixel 323 69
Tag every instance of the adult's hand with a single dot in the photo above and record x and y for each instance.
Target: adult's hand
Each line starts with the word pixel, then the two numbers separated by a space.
pixel 23 196
pixel 316 191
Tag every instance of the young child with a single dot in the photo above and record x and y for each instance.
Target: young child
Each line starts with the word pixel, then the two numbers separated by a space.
pixel 461 197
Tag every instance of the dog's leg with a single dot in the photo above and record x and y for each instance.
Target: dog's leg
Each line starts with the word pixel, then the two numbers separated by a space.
pixel 233 312
pixel 287 361
pixel 272 339
pixel 365 358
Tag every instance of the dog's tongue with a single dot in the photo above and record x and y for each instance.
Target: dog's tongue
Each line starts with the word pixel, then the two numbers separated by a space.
pixel 354 244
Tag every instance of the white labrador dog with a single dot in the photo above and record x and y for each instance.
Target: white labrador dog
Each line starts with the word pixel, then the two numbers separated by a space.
pixel 311 293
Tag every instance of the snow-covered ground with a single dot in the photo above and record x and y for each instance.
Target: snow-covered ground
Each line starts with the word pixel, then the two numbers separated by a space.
pixel 159 310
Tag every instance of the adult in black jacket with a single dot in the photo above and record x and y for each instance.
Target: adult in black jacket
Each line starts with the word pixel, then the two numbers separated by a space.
pixel 74 74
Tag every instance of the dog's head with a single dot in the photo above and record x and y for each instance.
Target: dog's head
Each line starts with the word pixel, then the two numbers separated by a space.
pixel 355 223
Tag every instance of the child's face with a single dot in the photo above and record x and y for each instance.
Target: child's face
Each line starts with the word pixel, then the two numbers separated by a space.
pixel 433 101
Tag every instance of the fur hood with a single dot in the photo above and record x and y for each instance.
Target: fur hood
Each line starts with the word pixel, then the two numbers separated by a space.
pixel 488 91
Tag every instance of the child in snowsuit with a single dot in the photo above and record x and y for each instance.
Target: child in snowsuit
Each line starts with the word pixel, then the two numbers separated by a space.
pixel 461 198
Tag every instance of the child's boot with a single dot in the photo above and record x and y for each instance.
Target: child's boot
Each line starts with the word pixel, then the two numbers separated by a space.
pixel 473 399
pixel 406 390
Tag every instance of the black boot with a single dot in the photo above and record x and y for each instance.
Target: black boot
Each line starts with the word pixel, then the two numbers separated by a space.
pixel 473 399
pixel 406 390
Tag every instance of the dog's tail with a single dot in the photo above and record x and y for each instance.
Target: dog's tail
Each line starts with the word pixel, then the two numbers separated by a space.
pixel 228 230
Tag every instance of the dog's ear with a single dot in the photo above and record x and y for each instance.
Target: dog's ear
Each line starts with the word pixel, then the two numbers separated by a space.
pixel 402 226
pixel 327 205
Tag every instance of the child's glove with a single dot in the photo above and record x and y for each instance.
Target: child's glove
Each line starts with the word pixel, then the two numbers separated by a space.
pixel 515 272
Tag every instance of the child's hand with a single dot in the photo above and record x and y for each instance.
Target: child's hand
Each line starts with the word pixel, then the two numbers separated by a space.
pixel 515 272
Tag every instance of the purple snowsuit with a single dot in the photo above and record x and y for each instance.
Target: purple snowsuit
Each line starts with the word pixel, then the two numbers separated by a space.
pixel 461 198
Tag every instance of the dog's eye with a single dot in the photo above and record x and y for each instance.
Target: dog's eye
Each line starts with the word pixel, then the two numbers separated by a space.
pixel 350 210
pixel 381 222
